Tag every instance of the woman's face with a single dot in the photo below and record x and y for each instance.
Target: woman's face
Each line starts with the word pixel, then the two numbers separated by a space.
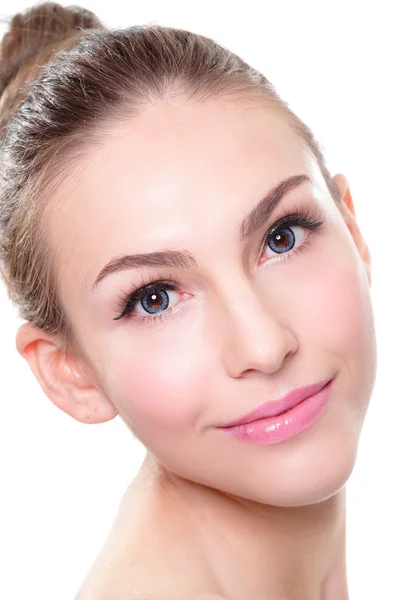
pixel 252 318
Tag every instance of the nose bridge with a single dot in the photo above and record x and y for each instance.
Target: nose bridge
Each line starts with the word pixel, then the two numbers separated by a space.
pixel 250 331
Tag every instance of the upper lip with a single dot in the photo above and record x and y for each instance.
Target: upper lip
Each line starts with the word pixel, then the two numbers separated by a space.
pixel 277 407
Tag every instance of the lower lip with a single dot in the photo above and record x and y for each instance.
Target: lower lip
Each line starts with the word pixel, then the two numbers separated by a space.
pixel 273 430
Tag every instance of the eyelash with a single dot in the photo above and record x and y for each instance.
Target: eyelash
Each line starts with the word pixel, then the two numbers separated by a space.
pixel 303 217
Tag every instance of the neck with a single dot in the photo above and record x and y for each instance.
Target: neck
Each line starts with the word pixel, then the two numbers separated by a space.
pixel 278 552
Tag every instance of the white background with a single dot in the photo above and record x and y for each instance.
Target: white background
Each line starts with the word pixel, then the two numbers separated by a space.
pixel 337 64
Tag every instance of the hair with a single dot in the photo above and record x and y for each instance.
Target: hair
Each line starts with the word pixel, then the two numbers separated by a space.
pixel 64 77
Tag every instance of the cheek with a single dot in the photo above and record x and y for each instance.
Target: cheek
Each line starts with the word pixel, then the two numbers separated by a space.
pixel 160 385
pixel 340 325
pixel 339 308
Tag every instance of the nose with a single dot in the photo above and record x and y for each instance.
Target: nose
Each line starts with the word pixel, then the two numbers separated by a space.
pixel 253 333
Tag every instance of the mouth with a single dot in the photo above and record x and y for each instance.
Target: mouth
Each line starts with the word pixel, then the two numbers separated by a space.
pixel 285 424
pixel 281 406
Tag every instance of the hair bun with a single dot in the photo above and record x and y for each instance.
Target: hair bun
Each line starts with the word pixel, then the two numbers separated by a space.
pixel 35 35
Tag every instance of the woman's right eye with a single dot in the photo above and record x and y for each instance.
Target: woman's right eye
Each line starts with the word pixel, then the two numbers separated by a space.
pixel 158 301
pixel 152 299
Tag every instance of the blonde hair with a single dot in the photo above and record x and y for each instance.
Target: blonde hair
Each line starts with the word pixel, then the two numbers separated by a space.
pixel 64 75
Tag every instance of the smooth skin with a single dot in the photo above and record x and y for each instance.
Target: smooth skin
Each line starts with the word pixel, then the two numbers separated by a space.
pixel 208 513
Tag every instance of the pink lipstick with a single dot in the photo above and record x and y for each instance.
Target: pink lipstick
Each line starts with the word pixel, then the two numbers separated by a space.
pixel 274 422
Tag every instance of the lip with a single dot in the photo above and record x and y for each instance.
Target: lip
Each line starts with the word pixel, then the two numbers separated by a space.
pixel 277 429
pixel 278 407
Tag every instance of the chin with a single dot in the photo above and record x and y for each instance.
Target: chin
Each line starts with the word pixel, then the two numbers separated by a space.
pixel 299 474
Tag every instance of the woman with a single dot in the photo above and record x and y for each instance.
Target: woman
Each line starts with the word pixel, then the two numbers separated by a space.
pixel 183 258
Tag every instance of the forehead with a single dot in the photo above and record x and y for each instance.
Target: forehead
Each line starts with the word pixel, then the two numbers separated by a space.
pixel 157 179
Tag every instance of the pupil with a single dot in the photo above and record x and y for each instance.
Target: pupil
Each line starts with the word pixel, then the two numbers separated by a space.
pixel 279 237
pixel 153 299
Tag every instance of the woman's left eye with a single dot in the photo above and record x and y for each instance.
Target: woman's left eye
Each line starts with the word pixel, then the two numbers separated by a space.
pixel 282 236
pixel 283 239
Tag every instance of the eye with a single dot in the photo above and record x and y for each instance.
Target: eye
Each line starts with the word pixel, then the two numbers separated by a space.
pixel 283 239
pixel 158 300
pixel 151 300
pixel 289 231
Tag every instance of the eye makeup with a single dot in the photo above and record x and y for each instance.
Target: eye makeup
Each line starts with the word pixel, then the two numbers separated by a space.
pixel 308 218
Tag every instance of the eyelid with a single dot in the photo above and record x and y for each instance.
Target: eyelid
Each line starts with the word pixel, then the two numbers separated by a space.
pixel 168 314
pixel 308 211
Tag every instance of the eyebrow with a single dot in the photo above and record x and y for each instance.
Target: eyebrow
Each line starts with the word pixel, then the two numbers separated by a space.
pixel 185 259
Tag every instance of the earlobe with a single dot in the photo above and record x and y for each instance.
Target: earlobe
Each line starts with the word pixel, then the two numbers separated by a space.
pixel 64 381
pixel 348 212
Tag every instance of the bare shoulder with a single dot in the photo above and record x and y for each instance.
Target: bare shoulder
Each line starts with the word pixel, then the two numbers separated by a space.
pixel 158 579
pixel 147 556
pixel 146 567
pixel 141 583
pixel 127 576
pixel 122 572
pixel 147 593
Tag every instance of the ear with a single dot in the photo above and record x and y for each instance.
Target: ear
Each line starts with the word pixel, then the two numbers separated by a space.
pixel 67 381
pixel 348 213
